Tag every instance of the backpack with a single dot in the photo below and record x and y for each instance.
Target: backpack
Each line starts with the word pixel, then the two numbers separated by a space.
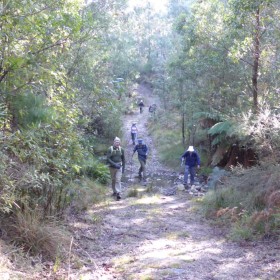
pixel 112 150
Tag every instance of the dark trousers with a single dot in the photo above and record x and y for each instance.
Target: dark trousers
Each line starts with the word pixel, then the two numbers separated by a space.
pixel 189 170
pixel 133 137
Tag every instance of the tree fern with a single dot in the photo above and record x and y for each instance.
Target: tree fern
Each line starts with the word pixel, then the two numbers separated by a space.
pixel 225 128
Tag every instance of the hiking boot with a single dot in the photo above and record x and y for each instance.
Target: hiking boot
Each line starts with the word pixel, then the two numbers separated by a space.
pixel 118 196
pixel 186 186
pixel 114 194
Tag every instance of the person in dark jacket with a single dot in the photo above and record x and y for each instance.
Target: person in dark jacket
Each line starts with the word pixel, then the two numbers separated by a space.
pixel 116 161
pixel 192 160
pixel 142 151
pixel 141 106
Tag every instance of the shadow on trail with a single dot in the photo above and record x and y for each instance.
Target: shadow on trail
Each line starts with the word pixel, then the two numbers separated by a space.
pixel 154 234
pixel 160 238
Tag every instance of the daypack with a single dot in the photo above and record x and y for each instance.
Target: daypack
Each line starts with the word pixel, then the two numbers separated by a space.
pixel 115 151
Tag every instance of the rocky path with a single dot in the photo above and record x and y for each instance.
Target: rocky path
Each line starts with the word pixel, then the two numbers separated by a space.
pixel 154 235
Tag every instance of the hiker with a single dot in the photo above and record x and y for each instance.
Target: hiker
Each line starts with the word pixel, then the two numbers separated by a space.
pixel 192 160
pixel 142 151
pixel 141 105
pixel 152 108
pixel 116 160
pixel 134 131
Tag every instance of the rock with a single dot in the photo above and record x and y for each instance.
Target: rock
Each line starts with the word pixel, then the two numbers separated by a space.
pixel 180 187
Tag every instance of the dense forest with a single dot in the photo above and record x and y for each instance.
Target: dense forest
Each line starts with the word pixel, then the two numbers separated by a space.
pixel 68 70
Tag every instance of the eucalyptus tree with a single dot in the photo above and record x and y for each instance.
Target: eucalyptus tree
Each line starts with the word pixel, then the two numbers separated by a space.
pixel 253 26
pixel 91 72
pixel 34 36
pixel 230 51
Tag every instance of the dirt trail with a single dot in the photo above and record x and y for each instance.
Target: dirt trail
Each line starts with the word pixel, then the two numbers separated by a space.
pixel 156 236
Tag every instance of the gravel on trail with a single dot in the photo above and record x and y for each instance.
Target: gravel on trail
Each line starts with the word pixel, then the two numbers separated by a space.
pixel 157 235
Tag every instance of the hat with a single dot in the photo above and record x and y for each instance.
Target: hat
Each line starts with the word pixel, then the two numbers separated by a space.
pixel 140 140
pixel 134 123
pixel 190 149
pixel 117 140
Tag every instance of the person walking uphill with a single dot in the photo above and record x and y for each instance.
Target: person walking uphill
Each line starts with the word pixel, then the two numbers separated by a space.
pixel 134 131
pixel 192 160
pixel 142 151
pixel 141 106
pixel 116 160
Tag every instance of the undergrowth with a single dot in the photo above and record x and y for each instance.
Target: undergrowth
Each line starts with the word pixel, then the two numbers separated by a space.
pixel 168 140
pixel 38 235
pixel 249 201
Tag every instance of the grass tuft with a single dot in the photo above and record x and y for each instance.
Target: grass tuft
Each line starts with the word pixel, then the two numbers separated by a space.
pixel 133 193
pixel 39 236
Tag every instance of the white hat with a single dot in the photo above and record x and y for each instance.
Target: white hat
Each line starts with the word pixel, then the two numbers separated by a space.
pixel 117 140
pixel 190 149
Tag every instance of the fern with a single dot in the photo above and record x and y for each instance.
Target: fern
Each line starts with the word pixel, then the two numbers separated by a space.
pixel 228 131
pixel 216 116
pixel 225 127
pixel 3 113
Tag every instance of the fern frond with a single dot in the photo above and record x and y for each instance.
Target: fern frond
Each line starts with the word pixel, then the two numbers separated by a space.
pixel 216 116
pixel 225 127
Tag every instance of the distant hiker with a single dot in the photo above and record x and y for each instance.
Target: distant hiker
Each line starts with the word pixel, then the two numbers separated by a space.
pixel 116 161
pixel 134 131
pixel 192 160
pixel 141 105
pixel 152 108
pixel 142 151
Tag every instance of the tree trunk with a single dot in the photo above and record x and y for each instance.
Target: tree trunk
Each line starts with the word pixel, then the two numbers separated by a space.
pixel 183 129
pixel 256 61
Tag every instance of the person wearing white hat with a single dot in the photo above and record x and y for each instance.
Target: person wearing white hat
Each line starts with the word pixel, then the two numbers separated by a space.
pixel 116 161
pixel 192 160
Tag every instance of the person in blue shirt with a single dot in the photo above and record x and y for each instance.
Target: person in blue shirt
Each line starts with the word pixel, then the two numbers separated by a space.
pixel 142 151
pixel 192 160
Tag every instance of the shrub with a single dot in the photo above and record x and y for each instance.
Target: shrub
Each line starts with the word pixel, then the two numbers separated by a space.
pixel 263 130
pixel 38 235
pixel 96 170
pixel 85 192
pixel 249 200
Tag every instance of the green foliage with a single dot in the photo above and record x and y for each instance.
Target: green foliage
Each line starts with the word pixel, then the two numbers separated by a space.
pixel 43 160
pixel 221 131
pixel 7 185
pixel 263 131
pixel 30 110
pixel 85 192
pixel 95 170
pixel 241 230
pixel 169 143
